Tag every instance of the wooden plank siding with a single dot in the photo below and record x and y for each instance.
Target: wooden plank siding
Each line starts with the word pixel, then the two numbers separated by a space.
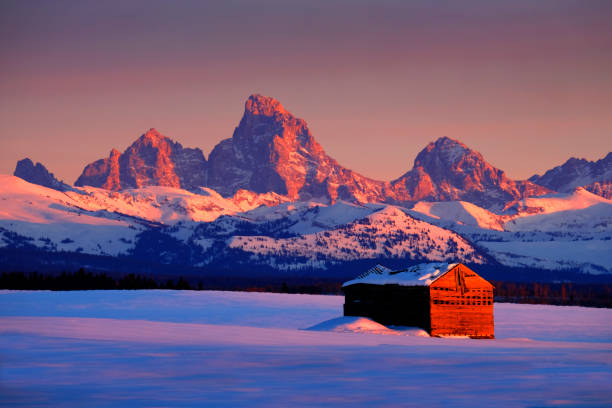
pixel 461 304
pixel 458 303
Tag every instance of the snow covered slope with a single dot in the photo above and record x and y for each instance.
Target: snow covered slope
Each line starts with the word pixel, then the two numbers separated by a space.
pixel 593 219
pixel 529 212
pixel 306 217
pixel 354 324
pixel 460 212
pixel 168 205
pixel 578 199
pixel 555 231
pixel 238 349
pixel 577 232
pixel 559 231
pixel 49 219
pixel 104 222
pixel 595 176
pixel 164 205
pixel 389 232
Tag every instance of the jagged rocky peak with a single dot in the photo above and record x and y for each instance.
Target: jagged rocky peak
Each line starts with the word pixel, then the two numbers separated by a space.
pixel 446 150
pixel 258 104
pixel 594 176
pixel 152 160
pixel 449 170
pixel 450 160
pixel 273 151
pixel 450 152
pixel 265 118
pixel 38 174
pixel 153 137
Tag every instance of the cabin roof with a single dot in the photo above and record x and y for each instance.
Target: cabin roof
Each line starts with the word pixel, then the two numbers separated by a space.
pixel 418 275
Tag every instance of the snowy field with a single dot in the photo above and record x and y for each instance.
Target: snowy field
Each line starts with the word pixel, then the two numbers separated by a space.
pixel 192 349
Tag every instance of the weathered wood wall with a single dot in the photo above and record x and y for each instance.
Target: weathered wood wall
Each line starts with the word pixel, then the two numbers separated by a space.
pixel 461 304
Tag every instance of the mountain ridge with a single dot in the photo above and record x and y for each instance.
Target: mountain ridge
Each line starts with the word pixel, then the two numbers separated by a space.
pixel 175 227
pixel 448 170
pixel 153 159
pixel 271 150
pixel 272 199
pixel 594 176
pixel 38 174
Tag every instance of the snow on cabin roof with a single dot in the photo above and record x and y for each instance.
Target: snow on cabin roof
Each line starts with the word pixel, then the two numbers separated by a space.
pixel 417 275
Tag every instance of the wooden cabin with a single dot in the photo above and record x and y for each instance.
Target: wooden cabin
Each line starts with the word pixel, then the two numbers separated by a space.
pixel 443 299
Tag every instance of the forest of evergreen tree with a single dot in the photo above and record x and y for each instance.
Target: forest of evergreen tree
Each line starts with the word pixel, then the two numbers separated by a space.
pixel 562 293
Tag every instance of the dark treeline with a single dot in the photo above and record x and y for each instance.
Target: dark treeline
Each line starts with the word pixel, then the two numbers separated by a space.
pixel 565 293
pixel 591 294
pixel 82 280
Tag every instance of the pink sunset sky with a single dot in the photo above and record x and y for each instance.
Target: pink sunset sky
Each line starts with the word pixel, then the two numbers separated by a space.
pixel 526 83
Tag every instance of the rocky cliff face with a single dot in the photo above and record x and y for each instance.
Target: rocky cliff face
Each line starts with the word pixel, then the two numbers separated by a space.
pixel 38 174
pixel 152 160
pixel 594 176
pixel 271 150
pixel 448 170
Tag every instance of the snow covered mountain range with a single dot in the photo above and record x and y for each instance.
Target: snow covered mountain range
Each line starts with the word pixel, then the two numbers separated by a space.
pixel 594 176
pixel 270 199
pixel 273 151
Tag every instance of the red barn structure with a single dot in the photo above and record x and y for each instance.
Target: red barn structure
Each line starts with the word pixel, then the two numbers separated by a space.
pixel 443 299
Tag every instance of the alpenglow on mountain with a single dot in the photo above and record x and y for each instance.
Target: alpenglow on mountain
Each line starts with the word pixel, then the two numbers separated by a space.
pixel 447 170
pixel 273 151
pixel 594 176
pixel 152 160
pixel 270 199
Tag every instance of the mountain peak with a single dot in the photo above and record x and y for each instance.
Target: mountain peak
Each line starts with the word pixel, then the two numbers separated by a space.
pixel 576 161
pixel 271 150
pixel 447 141
pixel 594 176
pixel 258 104
pixel 445 151
pixel 153 159
pixel 447 169
pixel 152 133
pixel 38 174
pixel 24 163
pixel 152 137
